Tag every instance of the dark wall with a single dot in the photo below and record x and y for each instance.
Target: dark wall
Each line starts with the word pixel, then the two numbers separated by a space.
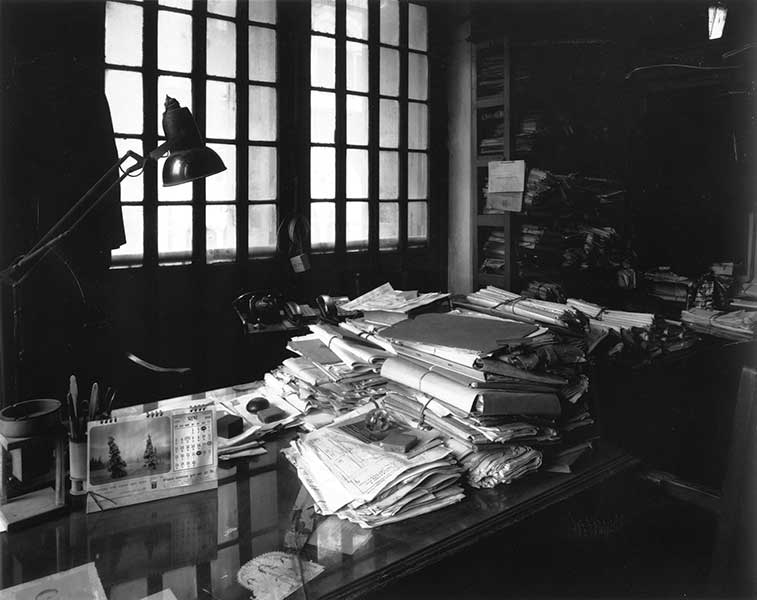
pixel 78 316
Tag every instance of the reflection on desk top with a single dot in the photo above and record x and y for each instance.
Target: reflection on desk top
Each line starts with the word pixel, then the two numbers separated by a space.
pixel 195 544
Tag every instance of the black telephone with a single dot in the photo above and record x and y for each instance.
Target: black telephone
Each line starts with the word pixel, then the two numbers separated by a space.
pixel 259 309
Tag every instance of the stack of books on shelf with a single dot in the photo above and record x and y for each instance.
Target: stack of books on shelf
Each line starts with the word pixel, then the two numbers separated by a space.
pixel 491 75
pixel 491 132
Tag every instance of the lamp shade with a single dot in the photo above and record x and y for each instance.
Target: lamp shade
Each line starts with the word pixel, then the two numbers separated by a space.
pixel 189 158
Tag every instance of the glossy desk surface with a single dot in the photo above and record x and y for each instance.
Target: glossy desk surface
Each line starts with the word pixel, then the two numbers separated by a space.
pixel 194 544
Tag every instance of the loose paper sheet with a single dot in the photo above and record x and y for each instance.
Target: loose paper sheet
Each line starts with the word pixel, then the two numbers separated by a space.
pixel 276 575
pixel 79 583
pixel 506 184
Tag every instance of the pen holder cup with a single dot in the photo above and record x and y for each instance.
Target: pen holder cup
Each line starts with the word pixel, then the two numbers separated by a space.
pixel 77 454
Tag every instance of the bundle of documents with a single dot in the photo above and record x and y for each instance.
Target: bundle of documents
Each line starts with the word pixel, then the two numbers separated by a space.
pixel 385 305
pixel 369 485
pixel 669 286
pixel 612 319
pixel 489 468
pixel 736 325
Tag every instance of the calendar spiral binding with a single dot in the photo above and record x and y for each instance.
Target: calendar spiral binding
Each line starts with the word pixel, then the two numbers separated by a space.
pixel 199 407
pixel 154 413
pixel 107 421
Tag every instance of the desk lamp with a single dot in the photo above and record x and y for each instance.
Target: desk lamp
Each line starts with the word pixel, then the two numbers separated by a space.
pixel 188 159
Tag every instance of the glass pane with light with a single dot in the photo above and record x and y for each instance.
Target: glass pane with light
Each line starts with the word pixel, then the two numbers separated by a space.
pixel 220 232
pixel 185 4
pixel 389 178
pixel 134 229
pixel 417 126
pixel 221 58
pixel 221 110
pixel 262 54
pixel 262 113
pixel 417 76
pixel 227 8
pixel 124 92
pixel 174 41
pixel 132 187
pixel 417 27
pixel 389 123
pixel 179 88
pixel 417 176
pixel 261 228
pixel 322 117
pixel 389 73
pixel 389 22
pixel 261 182
pixel 322 61
pixel 222 187
pixel 322 177
pixel 175 230
pixel 417 221
pixel 357 19
pixel 357 173
pixel 263 11
pixel 323 15
pixel 357 120
pixel 356 233
pixel 123 34
pixel 389 225
pixel 322 225
pixel 357 66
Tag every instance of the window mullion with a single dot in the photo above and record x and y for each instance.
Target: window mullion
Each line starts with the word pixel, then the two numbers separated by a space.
pixel 199 56
pixel 403 154
pixel 340 136
pixel 150 134
pixel 242 131
pixel 373 131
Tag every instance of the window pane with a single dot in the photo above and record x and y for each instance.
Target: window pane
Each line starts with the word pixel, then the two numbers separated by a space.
pixel 123 34
pixel 357 67
pixel 223 185
pixel 174 193
pixel 417 76
pixel 322 225
pixel 322 61
pixel 322 172
pixel 221 110
pixel 175 230
pixel 185 4
pixel 357 173
pixel 417 126
pixel 222 48
pixel 262 54
pixel 220 232
pixel 261 184
pixel 262 125
pixel 323 15
pixel 389 84
pixel 261 223
pixel 174 41
pixel 132 188
pixel 417 27
pixel 389 225
pixel 417 221
pixel 124 92
pixel 389 123
pixel 263 11
pixel 417 180
pixel 357 225
pixel 179 88
pixel 223 7
pixel 357 19
pixel 357 120
pixel 322 117
pixel 134 229
pixel 389 167
pixel 390 22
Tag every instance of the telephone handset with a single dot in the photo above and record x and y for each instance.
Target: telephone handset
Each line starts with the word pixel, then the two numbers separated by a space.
pixel 259 309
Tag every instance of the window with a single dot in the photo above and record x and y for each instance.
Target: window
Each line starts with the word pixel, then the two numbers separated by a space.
pixel 368 123
pixel 189 51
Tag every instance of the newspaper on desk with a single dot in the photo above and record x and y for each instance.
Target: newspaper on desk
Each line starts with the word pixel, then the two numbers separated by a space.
pixel 368 485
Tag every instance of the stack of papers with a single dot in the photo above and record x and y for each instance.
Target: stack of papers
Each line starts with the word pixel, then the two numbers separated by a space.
pixel 370 486
pixel 736 325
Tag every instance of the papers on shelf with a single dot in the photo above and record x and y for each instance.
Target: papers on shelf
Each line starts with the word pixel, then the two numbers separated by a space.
pixel 505 185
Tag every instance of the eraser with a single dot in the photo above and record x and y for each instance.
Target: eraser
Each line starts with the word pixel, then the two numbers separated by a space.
pixel 229 426
pixel 398 442
pixel 271 414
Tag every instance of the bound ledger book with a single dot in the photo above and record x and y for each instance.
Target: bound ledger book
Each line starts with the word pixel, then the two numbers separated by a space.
pixel 467 399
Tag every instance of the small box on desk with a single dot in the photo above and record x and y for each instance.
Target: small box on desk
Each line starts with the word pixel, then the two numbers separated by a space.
pixel 229 426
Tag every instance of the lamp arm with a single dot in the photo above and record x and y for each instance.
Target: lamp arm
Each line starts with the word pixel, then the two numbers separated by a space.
pixel 50 238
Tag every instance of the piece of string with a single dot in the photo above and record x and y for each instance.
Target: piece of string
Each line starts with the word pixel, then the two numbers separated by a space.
pixel 422 416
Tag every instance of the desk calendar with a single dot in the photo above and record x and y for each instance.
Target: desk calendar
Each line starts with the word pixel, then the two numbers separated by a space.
pixel 138 458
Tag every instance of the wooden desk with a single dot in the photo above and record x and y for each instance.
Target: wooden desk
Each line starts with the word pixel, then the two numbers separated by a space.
pixel 195 544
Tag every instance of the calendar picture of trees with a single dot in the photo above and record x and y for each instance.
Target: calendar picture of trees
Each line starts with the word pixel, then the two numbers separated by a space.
pixel 129 449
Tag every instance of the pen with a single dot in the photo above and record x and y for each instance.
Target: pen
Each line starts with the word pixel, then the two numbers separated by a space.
pixel 73 389
pixel 93 401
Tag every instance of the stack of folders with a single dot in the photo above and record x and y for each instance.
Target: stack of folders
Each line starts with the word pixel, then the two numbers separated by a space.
pixel 735 325
pixel 361 481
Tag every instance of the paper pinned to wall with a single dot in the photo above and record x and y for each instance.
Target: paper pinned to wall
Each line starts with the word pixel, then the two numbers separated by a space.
pixel 507 180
